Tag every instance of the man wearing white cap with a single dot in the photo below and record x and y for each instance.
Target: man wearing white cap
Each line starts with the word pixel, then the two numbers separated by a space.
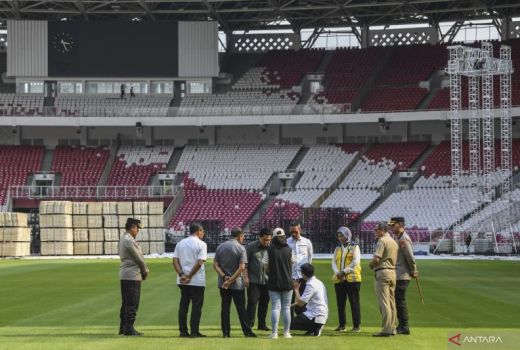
pixel 346 264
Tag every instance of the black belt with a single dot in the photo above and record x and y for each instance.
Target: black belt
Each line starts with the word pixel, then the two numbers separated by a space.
pixel 384 268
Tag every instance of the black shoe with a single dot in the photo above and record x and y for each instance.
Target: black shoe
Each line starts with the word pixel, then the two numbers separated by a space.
pixel 197 335
pixel 381 334
pixel 339 329
pixel 133 333
pixel 250 335
pixel 264 328
pixel 403 331
pixel 309 333
pixel 184 335
pixel 226 335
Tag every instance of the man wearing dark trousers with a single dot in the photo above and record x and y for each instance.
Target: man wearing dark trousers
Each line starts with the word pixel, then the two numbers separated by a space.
pixel 406 269
pixel 314 297
pixel 230 264
pixel 302 250
pixel 188 261
pixel 257 292
pixel 346 265
pixel 132 271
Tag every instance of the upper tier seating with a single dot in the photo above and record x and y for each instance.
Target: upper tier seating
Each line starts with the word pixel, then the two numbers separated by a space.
pixel 263 89
pixel 413 64
pixel 112 105
pixel 235 166
pixel 134 166
pixel 79 166
pixel 16 164
pixel 345 74
pixel 21 105
pixel 393 98
pixel 442 99
pixel 438 162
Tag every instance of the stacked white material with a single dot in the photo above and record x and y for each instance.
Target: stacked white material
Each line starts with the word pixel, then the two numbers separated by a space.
pixel 368 174
pixel 56 233
pixel 15 235
pixel 95 208
pixel 140 208
pixel 156 227
pixel 124 208
pixel 79 208
pixel 246 167
pixel 80 235
pixel 95 221
pixel 111 221
pixel 357 200
pixel 55 207
pixel 96 235
pixel 322 166
pixel 109 208
pixel 112 234
pixel 155 208
pixel 111 248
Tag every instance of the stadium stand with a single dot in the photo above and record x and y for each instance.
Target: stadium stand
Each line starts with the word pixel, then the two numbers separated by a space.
pixel 21 105
pixel 16 164
pixel 228 207
pixel 135 166
pixel 361 187
pixel 263 89
pixel 79 166
pixel 112 105
pixel 223 183
pixel 235 166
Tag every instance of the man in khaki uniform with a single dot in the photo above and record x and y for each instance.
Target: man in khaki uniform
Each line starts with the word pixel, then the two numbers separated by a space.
pixel 383 264
pixel 132 271
pixel 405 269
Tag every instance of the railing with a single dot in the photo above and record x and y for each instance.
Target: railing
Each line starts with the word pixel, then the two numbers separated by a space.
pixel 84 192
pixel 200 111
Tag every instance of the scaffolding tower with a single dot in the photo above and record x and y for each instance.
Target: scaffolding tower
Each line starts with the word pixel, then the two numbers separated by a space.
pixel 480 67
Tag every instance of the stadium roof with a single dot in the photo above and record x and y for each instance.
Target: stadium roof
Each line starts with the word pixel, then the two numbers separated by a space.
pixel 264 14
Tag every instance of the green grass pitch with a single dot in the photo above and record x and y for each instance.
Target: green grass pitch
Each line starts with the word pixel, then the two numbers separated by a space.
pixel 74 304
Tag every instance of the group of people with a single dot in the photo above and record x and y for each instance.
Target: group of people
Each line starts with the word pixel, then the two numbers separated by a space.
pixel 276 269
pixel 123 91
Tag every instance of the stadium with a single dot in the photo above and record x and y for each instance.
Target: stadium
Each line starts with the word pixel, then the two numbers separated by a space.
pixel 320 114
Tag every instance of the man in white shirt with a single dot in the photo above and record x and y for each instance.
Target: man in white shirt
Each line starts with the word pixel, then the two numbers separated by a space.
pixel 188 261
pixel 314 298
pixel 302 252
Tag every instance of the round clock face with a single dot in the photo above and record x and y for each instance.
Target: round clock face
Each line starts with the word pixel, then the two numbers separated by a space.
pixel 63 43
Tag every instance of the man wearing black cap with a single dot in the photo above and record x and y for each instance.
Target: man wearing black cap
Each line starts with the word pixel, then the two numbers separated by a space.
pixel 132 271
pixel 405 269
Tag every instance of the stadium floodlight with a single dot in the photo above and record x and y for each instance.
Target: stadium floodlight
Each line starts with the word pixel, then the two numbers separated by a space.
pixel 478 66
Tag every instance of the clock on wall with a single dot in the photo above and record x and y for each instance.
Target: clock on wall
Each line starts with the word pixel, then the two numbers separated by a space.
pixel 63 43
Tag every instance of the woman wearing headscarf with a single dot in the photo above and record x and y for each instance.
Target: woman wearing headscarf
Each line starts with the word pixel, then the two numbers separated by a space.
pixel 346 264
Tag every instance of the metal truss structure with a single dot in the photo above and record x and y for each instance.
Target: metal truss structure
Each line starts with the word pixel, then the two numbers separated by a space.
pixel 479 65
pixel 263 14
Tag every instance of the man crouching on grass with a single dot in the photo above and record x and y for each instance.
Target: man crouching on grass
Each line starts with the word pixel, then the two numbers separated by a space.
pixel 132 271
